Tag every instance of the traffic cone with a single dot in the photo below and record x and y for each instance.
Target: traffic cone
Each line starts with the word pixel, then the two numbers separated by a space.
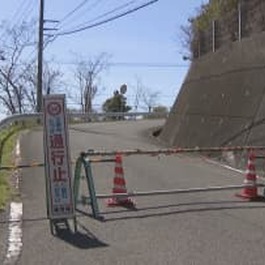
pixel 119 186
pixel 250 192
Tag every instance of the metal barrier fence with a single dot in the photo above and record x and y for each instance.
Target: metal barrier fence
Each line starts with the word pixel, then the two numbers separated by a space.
pixel 37 164
pixel 84 164
pixel 84 160
pixel 169 151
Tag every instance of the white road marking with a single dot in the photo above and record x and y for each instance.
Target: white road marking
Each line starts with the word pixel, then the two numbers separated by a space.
pixel 225 166
pixel 14 246
pixel 15 233
pixel 230 168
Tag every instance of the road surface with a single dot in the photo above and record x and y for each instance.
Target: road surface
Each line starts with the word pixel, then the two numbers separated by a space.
pixel 188 229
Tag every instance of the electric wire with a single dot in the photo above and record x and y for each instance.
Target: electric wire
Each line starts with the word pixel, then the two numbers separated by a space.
pixel 25 10
pixel 52 38
pixel 69 14
pixel 49 40
pixel 133 64
pixel 26 13
pixel 18 12
pixel 107 13
pixel 76 12
pixel 70 32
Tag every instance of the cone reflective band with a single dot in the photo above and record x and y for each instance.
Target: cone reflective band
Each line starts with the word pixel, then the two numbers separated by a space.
pixel 119 186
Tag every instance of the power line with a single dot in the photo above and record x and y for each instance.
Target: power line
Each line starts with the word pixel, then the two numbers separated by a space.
pixel 52 38
pixel 27 12
pixel 89 8
pixel 148 65
pixel 134 64
pixel 79 6
pixel 23 12
pixel 107 13
pixel 16 16
pixel 107 20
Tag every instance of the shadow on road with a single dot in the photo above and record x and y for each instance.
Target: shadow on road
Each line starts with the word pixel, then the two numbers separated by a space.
pixel 82 240
pixel 205 207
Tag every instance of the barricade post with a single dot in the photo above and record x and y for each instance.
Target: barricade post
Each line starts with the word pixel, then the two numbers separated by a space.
pixel 81 161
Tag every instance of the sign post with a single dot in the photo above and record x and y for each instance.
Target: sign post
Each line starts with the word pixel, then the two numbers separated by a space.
pixel 60 206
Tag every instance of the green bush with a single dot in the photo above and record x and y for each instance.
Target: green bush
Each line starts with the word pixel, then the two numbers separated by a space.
pixel 213 11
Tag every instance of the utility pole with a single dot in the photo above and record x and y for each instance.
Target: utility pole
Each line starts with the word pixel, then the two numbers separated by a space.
pixel 40 58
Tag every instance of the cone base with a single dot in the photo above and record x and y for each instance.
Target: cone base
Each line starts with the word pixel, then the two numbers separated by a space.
pixel 245 195
pixel 114 202
pixel 250 197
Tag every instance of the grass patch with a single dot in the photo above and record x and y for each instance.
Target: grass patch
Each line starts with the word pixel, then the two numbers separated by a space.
pixel 7 145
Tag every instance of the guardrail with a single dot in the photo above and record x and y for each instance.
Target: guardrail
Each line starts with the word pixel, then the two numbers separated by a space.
pixel 78 116
pixel 6 122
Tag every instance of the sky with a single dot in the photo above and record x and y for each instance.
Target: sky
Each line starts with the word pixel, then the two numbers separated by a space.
pixel 145 45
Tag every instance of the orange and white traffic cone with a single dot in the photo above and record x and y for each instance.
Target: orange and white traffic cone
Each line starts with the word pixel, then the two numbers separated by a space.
pixel 119 186
pixel 250 192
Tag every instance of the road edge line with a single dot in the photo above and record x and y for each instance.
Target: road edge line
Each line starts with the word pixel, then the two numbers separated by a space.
pixel 14 240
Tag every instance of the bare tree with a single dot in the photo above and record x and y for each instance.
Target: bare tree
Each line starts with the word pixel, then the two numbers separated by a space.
pixel 149 98
pixel 87 77
pixel 12 67
pixel 145 96
pixel 138 92
pixel 52 82
pixel 186 39
pixel 52 79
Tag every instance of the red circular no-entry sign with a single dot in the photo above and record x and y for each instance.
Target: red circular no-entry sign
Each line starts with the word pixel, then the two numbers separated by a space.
pixel 54 108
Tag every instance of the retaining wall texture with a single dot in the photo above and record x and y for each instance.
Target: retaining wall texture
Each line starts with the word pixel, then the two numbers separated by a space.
pixel 222 96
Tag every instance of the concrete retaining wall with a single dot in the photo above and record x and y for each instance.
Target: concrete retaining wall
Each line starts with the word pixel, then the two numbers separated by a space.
pixel 222 96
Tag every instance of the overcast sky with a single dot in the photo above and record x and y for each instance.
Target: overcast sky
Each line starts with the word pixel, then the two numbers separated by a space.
pixel 145 44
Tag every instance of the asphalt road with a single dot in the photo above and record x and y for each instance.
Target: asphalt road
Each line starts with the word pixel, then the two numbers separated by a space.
pixel 213 228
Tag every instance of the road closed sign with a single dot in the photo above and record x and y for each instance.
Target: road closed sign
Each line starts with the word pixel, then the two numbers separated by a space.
pixel 57 158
